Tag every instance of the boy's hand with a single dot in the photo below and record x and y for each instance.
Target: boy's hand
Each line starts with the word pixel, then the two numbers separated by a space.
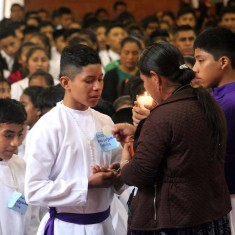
pixel 102 179
pixel 118 183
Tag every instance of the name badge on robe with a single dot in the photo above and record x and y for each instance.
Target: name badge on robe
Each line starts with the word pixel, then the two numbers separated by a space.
pixel 107 143
pixel 17 203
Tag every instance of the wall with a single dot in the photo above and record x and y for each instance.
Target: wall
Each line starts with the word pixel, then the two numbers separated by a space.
pixel 140 8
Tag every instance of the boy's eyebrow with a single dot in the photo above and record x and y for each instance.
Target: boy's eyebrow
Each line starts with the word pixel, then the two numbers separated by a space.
pixel 196 56
pixel 11 131
pixel 93 76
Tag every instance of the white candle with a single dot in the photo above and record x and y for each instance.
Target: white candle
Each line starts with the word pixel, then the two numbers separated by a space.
pixel 144 99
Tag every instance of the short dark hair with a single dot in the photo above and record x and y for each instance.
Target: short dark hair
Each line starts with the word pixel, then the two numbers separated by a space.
pixel 78 40
pixel 149 19
pixel 89 34
pixel 48 98
pixel 64 11
pixel 226 10
pixel 170 14
pixel 74 58
pixel 47 77
pixel 184 11
pixel 111 26
pixel 30 29
pixel 70 32
pixel 101 10
pixel 6 32
pixel 58 33
pixel 159 35
pixel 183 28
pixel 33 92
pixel 17 5
pixel 218 42
pixel 14 25
pixel 125 18
pixel 3 80
pixel 119 3
pixel 45 24
pixel 12 111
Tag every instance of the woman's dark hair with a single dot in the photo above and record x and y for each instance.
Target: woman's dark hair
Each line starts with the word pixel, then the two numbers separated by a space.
pixel 131 39
pixel 33 92
pixel 45 40
pixel 165 59
pixel 32 50
pixel 17 65
pixel 46 76
pixel 49 97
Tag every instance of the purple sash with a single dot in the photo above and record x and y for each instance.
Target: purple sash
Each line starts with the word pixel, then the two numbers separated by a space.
pixel 84 219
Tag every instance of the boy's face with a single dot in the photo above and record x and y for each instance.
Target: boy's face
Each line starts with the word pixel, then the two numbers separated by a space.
pixel 184 41
pixel 38 60
pixel 115 37
pixel 17 13
pixel 31 110
pixel 152 26
pixel 186 19
pixel 66 20
pixel 120 9
pixel 85 89
pixel 5 90
pixel 208 71
pixel 130 55
pixel 60 44
pixel 228 21
pixel 11 136
pixel 10 45
pixel 48 30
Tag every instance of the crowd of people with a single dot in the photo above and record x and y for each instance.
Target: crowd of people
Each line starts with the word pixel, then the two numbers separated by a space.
pixel 79 153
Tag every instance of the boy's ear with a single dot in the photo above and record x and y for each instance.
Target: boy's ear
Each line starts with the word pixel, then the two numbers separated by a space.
pixel 225 62
pixel 39 113
pixel 64 81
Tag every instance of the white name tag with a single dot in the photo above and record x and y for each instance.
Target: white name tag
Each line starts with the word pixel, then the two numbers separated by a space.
pixel 17 203
pixel 107 143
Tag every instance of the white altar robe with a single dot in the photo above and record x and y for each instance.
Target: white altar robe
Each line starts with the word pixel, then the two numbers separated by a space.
pixel 59 164
pixel 12 173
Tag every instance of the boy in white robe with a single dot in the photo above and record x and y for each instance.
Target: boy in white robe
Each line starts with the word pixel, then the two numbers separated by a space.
pixel 12 170
pixel 67 170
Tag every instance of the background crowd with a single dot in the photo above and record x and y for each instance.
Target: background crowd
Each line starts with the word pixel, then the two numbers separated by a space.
pixel 31 43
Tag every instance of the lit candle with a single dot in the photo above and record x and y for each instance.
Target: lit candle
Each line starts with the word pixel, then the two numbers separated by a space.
pixel 144 99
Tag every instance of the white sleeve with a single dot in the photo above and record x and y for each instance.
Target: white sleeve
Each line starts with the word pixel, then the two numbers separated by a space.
pixel 16 91
pixel 42 186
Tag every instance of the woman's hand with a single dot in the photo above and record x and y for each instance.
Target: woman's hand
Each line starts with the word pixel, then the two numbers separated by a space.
pixel 123 132
pixel 139 113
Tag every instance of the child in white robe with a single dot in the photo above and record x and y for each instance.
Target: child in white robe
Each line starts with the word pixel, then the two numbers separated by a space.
pixel 67 169
pixel 12 170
